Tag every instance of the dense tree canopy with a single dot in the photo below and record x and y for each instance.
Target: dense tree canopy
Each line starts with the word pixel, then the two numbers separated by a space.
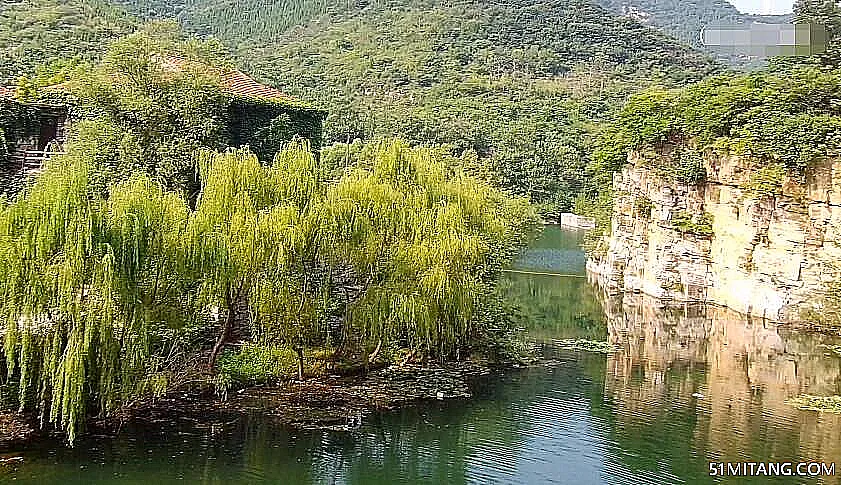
pixel 98 290
pixel 156 97
pixel 37 31
pixel 522 85
pixel 791 118
pixel 519 84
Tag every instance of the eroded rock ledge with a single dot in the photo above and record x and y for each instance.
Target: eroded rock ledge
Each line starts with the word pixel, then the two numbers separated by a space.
pixel 767 256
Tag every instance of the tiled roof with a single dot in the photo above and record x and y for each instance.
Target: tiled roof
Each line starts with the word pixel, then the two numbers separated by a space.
pixel 237 82
pixel 240 83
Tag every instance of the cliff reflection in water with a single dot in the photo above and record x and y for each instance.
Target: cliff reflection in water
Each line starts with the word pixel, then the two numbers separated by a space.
pixel 722 377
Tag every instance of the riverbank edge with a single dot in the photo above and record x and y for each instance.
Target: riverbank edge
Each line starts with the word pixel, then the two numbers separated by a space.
pixel 330 402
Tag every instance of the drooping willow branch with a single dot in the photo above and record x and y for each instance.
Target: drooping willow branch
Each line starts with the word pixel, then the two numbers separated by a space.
pixel 95 289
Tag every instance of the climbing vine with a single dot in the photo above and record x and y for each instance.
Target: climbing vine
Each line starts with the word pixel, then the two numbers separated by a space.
pixel 698 224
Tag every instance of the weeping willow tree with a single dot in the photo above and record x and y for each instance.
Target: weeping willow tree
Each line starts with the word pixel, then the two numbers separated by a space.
pixel 425 242
pixel 98 285
pixel 82 281
pixel 428 239
pixel 253 229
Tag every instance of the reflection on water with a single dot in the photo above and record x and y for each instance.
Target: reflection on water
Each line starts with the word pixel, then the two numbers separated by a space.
pixel 556 305
pixel 555 250
pixel 740 372
pixel 687 386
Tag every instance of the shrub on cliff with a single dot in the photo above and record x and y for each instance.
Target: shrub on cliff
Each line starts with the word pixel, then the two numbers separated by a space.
pixel 767 181
pixel 685 166
pixel 698 224
pixel 790 118
pixel 643 207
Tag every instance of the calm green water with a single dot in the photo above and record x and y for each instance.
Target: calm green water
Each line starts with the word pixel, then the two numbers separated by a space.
pixel 687 387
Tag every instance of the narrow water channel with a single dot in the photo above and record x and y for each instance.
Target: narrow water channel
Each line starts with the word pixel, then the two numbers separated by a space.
pixel 687 387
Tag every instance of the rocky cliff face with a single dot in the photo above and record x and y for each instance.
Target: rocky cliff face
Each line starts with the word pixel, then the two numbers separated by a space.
pixel 719 242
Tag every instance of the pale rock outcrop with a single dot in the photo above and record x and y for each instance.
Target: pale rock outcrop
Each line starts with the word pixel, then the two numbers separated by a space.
pixel 768 257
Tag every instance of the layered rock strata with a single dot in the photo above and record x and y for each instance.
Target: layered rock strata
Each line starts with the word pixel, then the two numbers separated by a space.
pixel 766 255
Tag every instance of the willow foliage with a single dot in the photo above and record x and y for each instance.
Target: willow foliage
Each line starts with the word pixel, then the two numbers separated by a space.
pixel 82 278
pixel 94 287
pixel 429 238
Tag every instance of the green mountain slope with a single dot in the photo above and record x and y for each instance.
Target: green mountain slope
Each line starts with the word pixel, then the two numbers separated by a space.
pixel 265 20
pixel 521 83
pixel 35 31
pixel 239 21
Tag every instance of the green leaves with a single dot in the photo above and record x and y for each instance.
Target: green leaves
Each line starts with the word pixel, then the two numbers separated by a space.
pixel 698 224
pixel 649 117
pixel 431 236
pixel 514 82
pixel 792 118
pixel 94 283
pixel 684 166
pixel 37 31
pixel 766 182
pixel 796 140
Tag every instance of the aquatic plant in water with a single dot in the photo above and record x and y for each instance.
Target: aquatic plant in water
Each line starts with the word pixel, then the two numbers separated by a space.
pixel 583 345
pixel 828 404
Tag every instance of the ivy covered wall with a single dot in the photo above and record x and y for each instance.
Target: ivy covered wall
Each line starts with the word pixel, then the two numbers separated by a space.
pixel 17 121
pixel 265 126
pixel 156 100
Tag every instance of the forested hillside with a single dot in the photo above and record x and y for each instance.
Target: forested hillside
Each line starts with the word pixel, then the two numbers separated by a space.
pixel 521 84
pixel 265 21
pixel 241 21
pixel 518 83
pixel 36 31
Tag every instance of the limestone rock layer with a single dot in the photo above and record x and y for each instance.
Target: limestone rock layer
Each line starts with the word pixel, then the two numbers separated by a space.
pixel 768 255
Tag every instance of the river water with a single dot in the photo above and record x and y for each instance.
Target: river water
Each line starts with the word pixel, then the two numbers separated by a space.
pixel 687 387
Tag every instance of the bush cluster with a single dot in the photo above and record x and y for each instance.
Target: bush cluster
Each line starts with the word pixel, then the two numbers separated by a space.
pixel 698 225
pixel 788 118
